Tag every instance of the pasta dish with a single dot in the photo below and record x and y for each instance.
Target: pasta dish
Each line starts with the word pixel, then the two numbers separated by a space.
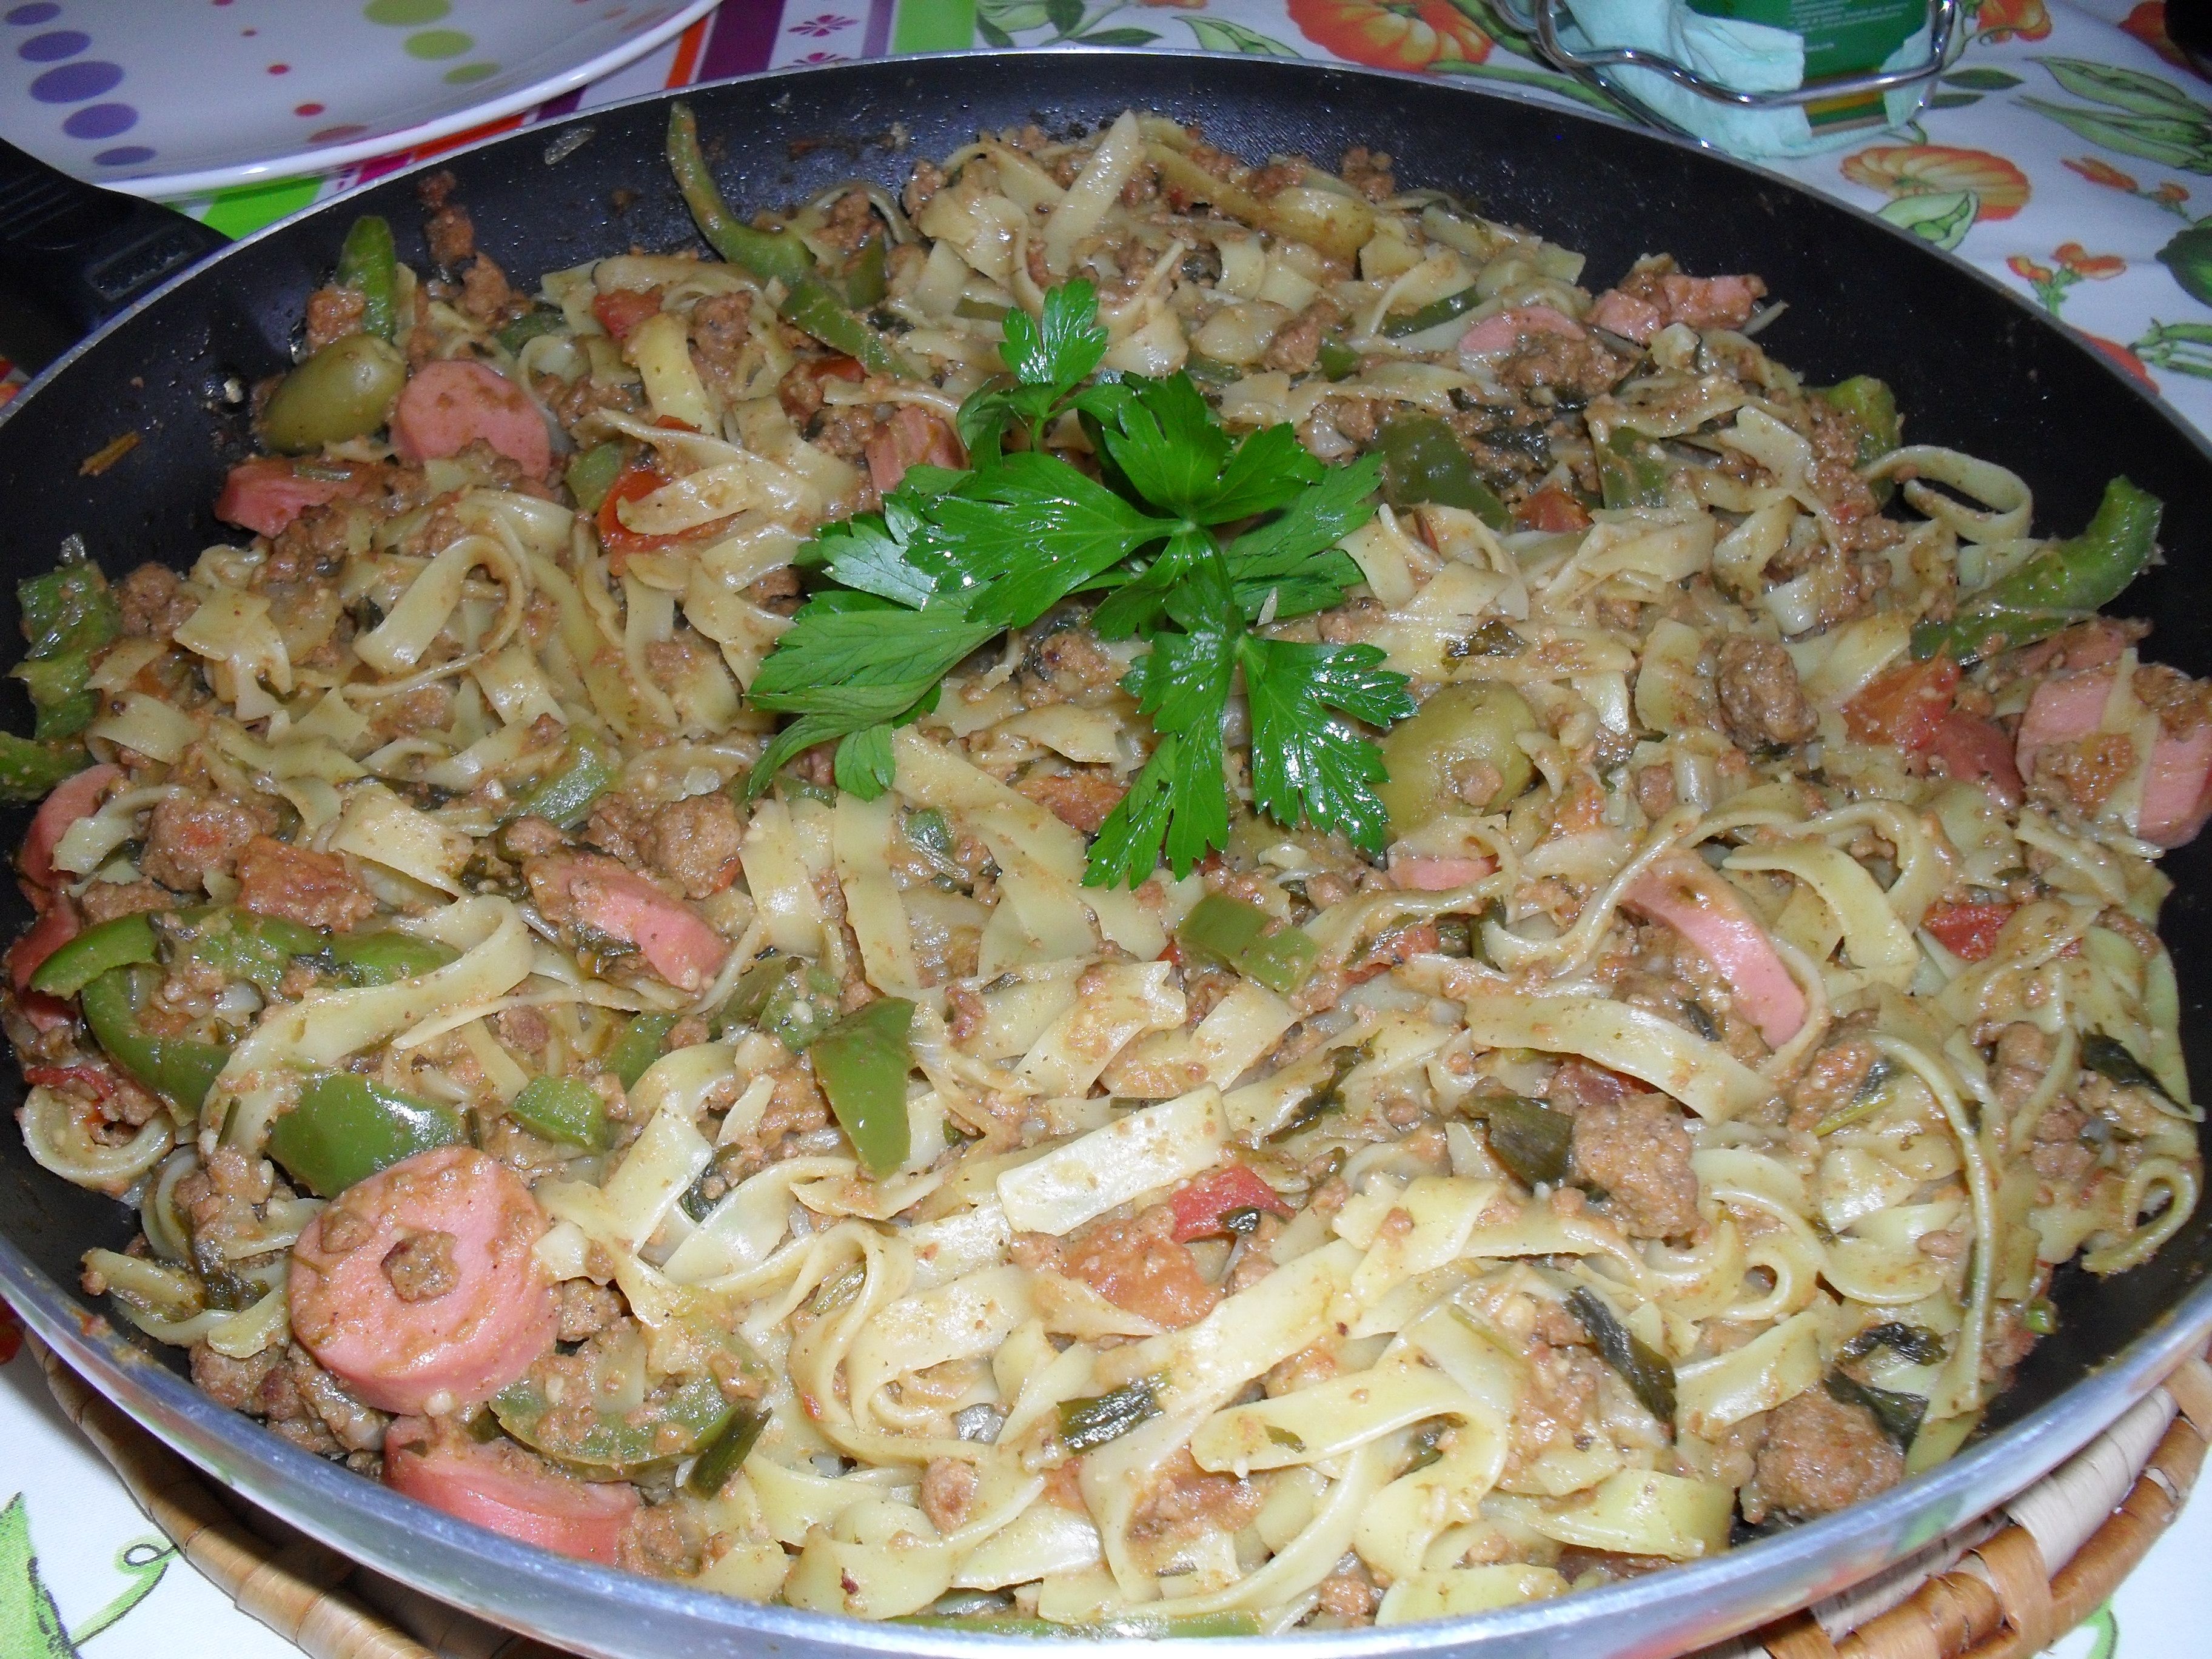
pixel 1132 893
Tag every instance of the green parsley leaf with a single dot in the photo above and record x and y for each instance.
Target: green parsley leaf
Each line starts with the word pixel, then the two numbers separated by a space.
pixel 1168 446
pixel 844 644
pixel 1295 557
pixel 1140 603
pixel 1305 764
pixel 1048 359
pixel 1065 346
pixel 863 763
pixel 1033 530
pixel 1270 469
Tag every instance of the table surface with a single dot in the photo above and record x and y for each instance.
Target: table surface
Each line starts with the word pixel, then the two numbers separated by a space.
pixel 2068 152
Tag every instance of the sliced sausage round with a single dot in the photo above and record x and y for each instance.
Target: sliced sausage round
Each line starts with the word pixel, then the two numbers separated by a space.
pixel 405 1341
pixel 499 1486
pixel 448 405
pixel 265 495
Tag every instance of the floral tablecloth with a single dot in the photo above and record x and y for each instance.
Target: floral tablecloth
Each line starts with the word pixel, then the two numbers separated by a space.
pixel 2068 150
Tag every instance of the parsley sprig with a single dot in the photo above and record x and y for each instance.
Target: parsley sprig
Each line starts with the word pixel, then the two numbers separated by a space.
pixel 954 559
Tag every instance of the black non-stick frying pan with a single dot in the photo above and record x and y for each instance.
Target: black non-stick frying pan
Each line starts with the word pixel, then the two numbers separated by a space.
pixel 1972 367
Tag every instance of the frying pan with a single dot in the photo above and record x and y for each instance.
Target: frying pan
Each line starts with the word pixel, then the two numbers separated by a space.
pixel 1972 367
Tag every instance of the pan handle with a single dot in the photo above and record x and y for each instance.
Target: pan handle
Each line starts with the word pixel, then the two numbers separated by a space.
pixel 73 254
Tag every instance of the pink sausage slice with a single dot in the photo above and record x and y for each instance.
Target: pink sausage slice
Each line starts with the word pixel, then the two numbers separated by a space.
pixel 265 496
pixel 1435 873
pixel 1711 301
pixel 445 1349
pixel 447 406
pixel 1627 315
pixel 2177 792
pixel 1508 328
pixel 2177 785
pixel 75 797
pixel 1696 903
pixel 679 947
pixel 499 1486
pixel 914 437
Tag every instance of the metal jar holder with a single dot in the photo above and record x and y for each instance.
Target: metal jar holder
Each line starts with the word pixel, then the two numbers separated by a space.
pixel 1594 64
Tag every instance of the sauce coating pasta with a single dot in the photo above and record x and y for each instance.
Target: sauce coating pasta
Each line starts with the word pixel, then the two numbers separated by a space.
pixel 1612 1070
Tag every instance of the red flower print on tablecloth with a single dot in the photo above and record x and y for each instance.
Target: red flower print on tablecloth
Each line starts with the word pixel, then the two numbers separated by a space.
pixel 2074 263
pixel 2127 360
pixel 1414 36
pixel 11 1335
pixel 2147 22
pixel 2008 20
pixel 822 27
pixel 2167 195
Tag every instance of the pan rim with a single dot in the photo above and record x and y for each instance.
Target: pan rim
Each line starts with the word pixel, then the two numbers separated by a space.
pixel 315 1495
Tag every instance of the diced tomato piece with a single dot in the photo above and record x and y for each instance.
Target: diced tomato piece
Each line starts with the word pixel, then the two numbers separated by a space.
pixel 1553 511
pixel 622 309
pixel 1975 747
pixel 1199 1208
pixel 1906 706
pixel 1968 932
pixel 90 1077
pixel 621 541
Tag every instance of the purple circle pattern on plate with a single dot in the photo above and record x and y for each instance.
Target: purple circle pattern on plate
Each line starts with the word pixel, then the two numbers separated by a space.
pixel 76 82
pixel 101 121
pixel 52 47
pixel 72 84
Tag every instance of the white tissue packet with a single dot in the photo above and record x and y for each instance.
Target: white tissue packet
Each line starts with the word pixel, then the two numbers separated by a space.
pixel 1838 36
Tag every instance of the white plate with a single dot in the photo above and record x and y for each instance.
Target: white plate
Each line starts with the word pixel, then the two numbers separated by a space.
pixel 180 97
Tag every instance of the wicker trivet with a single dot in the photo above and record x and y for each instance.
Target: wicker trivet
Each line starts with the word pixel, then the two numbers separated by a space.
pixel 2001 1587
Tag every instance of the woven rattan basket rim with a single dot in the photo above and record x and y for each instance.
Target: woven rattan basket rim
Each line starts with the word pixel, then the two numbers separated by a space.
pixel 2002 1587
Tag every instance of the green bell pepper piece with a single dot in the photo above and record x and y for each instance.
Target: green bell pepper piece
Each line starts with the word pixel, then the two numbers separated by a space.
pixel 1207 371
pixel 562 1108
pixel 96 951
pixel 788 999
pixel 29 771
pixel 345 1129
pixel 1430 315
pixel 1875 406
pixel 179 1069
pixel 1336 360
pixel 1528 1137
pixel 593 473
pixel 68 614
pixel 727 1451
pixel 1235 934
pixel 643 1040
pixel 536 321
pixel 2061 583
pixel 809 305
pixel 1629 477
pixel 861 1063
pixel 602 1444
pixel 242 946
pixel 867 277
pixel 368 264
pixel 385 957
pixel 587 771
pixel 1422 461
